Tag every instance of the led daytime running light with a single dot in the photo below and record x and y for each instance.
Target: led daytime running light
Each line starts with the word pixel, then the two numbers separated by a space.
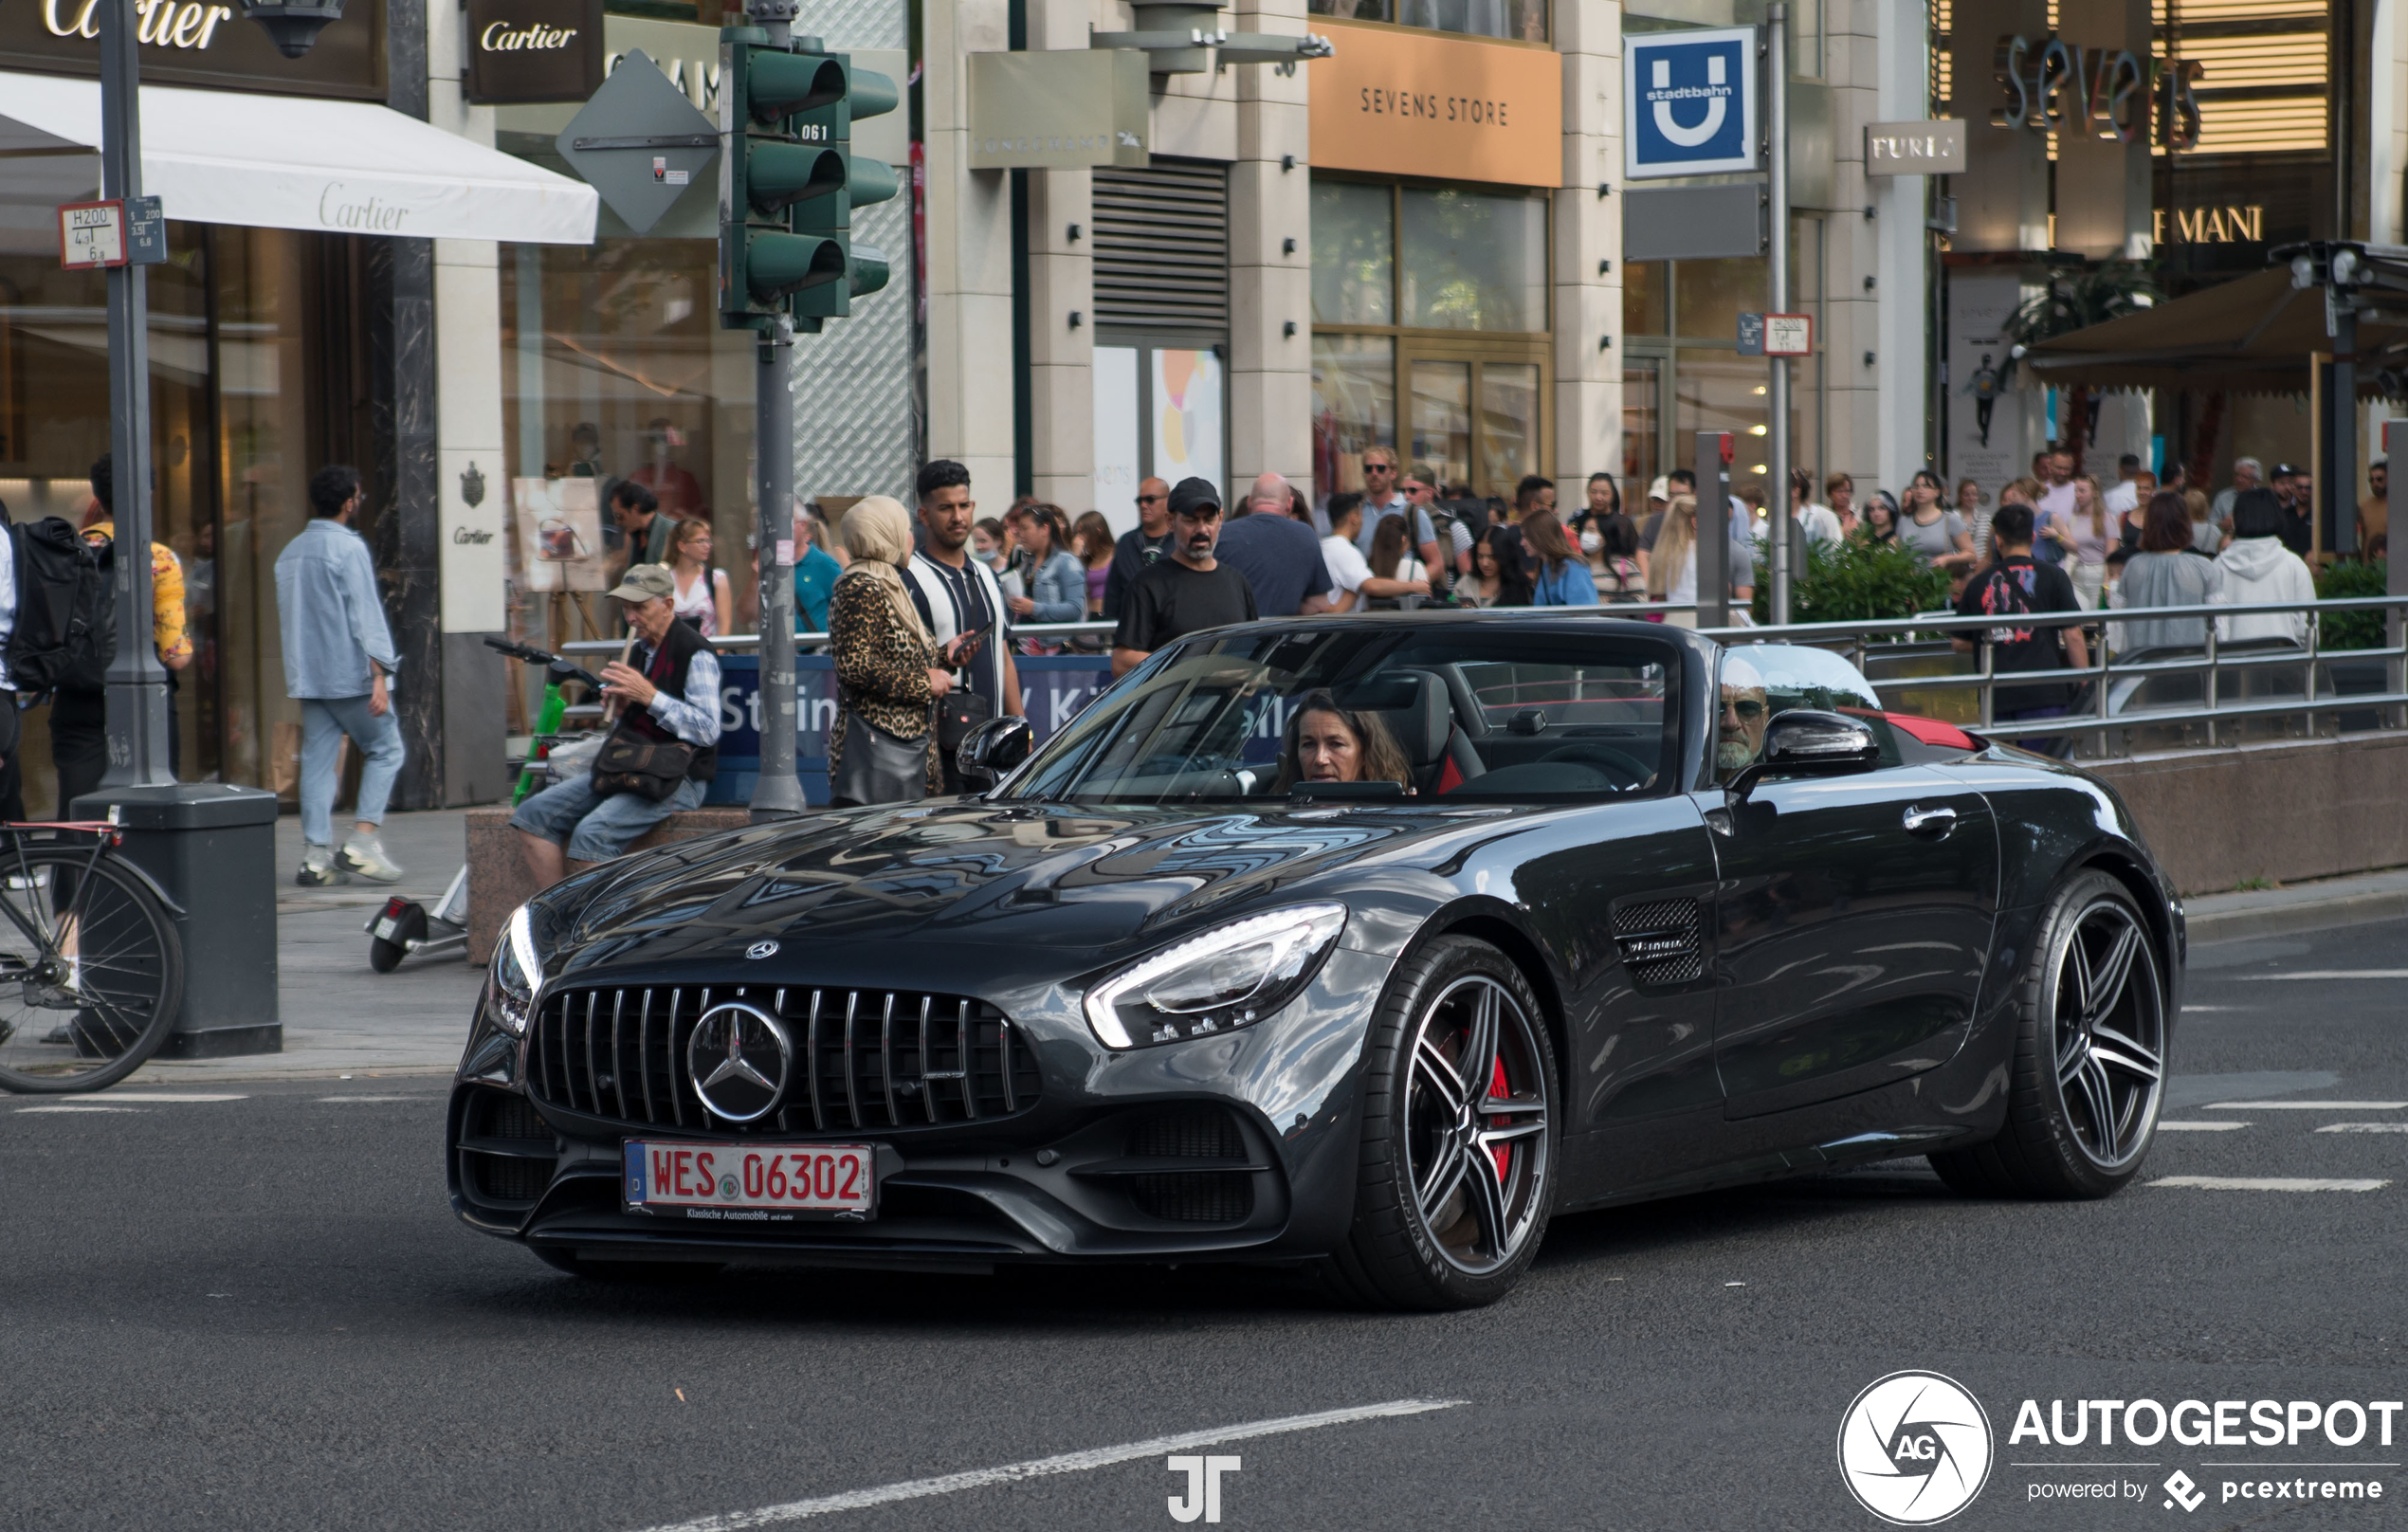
pixel 1309 927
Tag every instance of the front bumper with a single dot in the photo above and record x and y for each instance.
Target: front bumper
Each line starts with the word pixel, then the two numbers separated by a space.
pixel 1241 1146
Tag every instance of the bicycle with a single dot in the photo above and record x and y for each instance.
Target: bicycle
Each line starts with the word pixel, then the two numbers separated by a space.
pixel 91 968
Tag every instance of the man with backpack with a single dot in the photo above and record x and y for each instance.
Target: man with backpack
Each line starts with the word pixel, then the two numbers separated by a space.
pixel 79 703
pixel 337 652
pixel 2015 585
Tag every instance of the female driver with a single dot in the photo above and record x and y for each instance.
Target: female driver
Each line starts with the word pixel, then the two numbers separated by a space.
pixel 1329 743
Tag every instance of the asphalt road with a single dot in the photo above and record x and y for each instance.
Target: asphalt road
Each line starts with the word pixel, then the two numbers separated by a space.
pixel 259 1314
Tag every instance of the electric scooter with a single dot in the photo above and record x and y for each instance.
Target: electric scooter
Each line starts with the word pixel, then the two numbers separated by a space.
pixel 404 928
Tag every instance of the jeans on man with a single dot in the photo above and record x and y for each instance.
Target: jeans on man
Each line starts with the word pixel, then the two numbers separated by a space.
pixel 2051 745
pixel 594 827
pixel 324 721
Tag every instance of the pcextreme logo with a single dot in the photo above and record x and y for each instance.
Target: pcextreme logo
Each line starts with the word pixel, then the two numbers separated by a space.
pixel 1915 1447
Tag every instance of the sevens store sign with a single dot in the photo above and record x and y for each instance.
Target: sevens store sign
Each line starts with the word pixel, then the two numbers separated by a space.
pixel 1690 102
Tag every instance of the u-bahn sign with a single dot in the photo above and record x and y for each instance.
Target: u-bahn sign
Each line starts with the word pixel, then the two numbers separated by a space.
pixel 1690 102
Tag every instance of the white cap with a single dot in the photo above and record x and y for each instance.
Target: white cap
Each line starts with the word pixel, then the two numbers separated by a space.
pixel 1659 488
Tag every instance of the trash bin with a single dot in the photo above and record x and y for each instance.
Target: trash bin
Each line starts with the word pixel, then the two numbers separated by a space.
pixel 212 847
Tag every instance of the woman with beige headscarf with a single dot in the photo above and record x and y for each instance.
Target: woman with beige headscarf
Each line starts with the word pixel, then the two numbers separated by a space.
pixel 882 747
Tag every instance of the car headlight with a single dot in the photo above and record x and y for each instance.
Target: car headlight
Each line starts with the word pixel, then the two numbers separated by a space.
pixel 517 975
pixel 1229 976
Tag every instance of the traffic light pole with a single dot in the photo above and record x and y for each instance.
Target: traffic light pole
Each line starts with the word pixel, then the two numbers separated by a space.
pixel 777 792
pixel 1780 527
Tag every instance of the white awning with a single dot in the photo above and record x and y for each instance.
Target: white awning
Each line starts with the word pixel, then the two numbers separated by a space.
pixel 216 156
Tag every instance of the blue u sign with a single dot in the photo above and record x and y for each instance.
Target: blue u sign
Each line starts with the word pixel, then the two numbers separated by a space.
pixel 1689 102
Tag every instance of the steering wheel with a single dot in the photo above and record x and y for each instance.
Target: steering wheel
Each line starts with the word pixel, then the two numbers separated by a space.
pixel 1606 759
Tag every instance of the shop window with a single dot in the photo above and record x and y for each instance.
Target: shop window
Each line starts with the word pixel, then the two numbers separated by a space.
pixel 1354 405
pixel 1430 309
pixel 1354 253
pixel 1711 295
pixel 1473 260
pixel 1522 20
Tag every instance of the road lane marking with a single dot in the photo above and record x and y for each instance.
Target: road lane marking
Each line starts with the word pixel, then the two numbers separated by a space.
pixel 2305 1107
pixel 2364 1127
pixel 2327 973
pixel 2270 1183
pixel 378 1098
pixel 2225 1126
pixel 1097 1457
pixel 172 1096
pixel 72 1110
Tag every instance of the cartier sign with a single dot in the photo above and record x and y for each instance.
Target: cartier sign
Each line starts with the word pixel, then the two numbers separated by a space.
pixel 200 43
pixel 533 50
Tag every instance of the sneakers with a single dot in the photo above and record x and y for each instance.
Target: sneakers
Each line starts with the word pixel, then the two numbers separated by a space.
pixel 318 869
pixel 363 856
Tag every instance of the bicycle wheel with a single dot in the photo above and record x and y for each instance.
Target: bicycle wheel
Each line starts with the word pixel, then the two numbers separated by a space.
pixel 91 971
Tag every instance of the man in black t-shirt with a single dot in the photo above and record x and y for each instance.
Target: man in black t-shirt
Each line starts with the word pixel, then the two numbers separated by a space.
pixel 2011 585
pixel 1186 593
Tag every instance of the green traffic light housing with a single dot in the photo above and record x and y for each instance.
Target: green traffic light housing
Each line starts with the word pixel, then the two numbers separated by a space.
pixel 789 181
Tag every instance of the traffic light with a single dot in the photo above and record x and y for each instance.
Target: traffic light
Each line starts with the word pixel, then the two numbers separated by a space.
pixel 788 183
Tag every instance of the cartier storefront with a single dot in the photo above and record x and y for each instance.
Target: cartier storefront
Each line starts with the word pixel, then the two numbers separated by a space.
pixel 291 327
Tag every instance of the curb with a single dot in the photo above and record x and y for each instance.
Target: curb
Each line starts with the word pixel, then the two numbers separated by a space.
pixel 2291 919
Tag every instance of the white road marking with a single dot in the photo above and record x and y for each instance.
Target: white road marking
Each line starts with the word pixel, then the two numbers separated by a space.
pixel 2187 1010
pixel 2199 1127
pixel 22 1110
pixel 1099 1457
pixel 2305 1107
pixel 2364 1127
pixel 172 1096
pixel 374 1098
pixel 2270 1183
pixel 2328 973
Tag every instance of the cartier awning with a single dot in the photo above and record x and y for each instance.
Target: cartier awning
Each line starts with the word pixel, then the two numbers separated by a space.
pixel 2254 334
pixel 216 156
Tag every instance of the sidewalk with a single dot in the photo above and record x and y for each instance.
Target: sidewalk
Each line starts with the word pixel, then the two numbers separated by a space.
pixel 342 1019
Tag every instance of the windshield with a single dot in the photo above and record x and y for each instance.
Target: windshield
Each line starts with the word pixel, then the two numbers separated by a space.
pixel 1459 710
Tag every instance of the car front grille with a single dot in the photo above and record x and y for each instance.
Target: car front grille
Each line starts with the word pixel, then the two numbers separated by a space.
pixel 862 1058
pixel 1197 1132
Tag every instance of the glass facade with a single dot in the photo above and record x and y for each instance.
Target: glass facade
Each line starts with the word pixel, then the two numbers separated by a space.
pixel 254 337
pixel 1430 318
pixel 613 367
pixel 1522 20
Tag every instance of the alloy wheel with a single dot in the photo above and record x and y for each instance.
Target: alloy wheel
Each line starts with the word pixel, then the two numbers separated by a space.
pixel 2109 1014
pixel 1475 1125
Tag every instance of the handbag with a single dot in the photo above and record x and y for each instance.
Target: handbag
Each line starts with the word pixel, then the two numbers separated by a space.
pixel 877 767
pixel 632 762
pixel 960 711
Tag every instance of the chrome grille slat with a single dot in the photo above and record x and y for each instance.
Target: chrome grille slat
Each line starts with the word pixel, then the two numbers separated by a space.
pixel 572 1040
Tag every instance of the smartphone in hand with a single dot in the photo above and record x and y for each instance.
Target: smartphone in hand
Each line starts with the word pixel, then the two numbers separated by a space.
pixel 966 647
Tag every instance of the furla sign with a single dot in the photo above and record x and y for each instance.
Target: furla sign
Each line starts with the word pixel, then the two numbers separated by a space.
pixel 533 50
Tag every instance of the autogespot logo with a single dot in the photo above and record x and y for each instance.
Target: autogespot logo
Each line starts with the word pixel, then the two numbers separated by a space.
pixel 1915 1447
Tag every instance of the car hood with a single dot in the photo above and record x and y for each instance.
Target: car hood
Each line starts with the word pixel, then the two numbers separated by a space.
pixel 1066 878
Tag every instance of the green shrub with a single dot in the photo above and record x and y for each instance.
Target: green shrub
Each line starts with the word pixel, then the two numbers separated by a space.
pixel 2352 629
pixel 1855 581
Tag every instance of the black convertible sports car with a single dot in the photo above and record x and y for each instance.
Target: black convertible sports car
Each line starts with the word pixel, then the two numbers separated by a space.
pixel 1365 943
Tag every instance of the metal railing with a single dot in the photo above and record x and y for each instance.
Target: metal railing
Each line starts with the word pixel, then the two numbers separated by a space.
pixel 1893 655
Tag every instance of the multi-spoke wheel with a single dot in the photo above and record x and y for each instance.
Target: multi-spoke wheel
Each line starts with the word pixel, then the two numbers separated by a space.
pixel 2089 1067
pixel 1458 1171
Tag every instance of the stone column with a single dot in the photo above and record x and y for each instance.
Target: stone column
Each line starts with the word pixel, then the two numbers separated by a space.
pixel 470 456
pixel 1061 295
pixel 1270 298
pixel 969 238
pixel 1588 251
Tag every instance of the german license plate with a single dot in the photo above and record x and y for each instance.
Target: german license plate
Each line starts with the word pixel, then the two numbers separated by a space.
pixel 751 1182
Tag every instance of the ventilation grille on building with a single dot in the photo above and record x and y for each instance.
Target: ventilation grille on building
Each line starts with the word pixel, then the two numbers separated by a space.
pixel 1161 248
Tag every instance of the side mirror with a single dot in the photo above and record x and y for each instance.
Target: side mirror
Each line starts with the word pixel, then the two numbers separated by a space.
pixel 995 749
pixel 1804 743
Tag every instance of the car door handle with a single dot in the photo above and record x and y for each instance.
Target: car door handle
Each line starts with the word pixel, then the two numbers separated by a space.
pixel 1936 823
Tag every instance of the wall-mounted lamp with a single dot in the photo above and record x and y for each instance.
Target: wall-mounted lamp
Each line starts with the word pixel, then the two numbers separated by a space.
pixel 1076 319
pixel 1074 235
pixel 1868 282
pixel 1605 189
pixel 1605 342
pixel 1871 213
pixel 1869 359
pixel 1288 246
pixel 1287 162
pixel 1604 266
pixel 1288 331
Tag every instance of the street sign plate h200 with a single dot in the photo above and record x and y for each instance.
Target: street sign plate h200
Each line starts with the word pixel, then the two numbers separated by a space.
pixel 1690 102
pixel 639 142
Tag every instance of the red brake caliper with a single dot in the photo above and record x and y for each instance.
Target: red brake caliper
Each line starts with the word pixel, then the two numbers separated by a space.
pixel 1502 1154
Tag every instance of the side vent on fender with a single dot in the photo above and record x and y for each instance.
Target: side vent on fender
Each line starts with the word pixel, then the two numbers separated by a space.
pixel 1662 941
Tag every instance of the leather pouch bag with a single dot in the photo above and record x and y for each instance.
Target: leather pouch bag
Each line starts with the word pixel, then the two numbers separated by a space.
pixel 630 762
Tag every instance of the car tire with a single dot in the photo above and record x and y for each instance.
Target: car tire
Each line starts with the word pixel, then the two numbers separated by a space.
pixel 650 1273
pixel 2093 1018
pixel 1454 1185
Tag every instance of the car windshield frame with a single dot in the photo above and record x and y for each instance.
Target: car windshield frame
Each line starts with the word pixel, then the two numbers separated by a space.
pixel 1228 682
